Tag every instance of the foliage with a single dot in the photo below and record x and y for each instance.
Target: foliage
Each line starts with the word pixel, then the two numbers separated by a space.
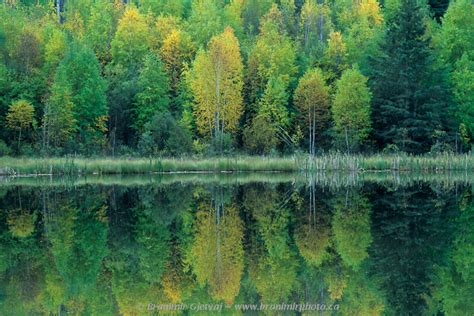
pixel 312 101
pixel 217 85
pixel 20 117
pixel 164 136
pixel 96 72
pixel 153 97
pixel 78 86
pixel 259 136
pixel 351 108
pixel 409 92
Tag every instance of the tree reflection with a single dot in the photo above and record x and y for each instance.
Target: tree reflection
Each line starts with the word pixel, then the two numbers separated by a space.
pixel 217 251
pixel 110 250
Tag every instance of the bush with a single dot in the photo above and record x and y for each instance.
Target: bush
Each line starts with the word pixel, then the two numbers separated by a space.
pixel 260 137
pixel 221 143
pixel 164 136
pixel 4 149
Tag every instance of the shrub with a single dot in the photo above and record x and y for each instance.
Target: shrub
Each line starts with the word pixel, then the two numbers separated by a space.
pixel 4 149
pixel 260 137
pixel 164 136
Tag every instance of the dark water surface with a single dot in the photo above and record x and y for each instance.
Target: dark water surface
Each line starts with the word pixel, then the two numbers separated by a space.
pixel 376 244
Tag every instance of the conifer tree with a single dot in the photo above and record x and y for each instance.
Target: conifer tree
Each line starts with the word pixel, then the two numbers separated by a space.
pixel 409 93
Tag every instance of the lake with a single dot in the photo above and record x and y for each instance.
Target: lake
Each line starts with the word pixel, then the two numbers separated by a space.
pixel 326 244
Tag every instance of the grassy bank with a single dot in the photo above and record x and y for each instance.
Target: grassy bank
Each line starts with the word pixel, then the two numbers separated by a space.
pixel 337 162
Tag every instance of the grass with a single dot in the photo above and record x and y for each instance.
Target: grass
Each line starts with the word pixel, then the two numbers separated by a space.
pixel 301 163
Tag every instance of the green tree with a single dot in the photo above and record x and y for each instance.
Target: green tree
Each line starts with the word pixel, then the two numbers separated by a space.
pixel 59 123
pixel 78 81
pixel 164 136
pixel 351 108
pixel 165 7
pixel 364 31
pixel 409 92
pixel 154 92
pixel 100 27
pixel 129 47
pixel 455 49
pixel 205 21
pixel 271 70
pixel 315 27
pixel 312 100
pixel 130 43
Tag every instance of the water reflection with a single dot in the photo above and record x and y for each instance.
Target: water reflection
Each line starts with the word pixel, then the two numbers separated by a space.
pixel 106 249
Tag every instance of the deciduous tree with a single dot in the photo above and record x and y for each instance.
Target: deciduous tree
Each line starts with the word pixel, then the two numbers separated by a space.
pixel 20 117
pixel 217 85
pixel 154 92
pixel 312 100
pixel 351 108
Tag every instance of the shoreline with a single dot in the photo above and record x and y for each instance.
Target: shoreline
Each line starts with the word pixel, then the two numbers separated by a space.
pixel 23 166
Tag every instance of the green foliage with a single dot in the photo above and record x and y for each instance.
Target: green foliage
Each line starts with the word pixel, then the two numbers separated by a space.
pixel 130 43
pixel 312 100
pixel 260 135
pixel 409 93
pixel 79 86
pixel 455 49
pixel 252 54
pixel 20 117
pixel 154 89
pixel 351 109
pixel 205 21
pixel 164 136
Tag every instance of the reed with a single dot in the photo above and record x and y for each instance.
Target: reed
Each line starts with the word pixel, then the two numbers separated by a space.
pixel 299 163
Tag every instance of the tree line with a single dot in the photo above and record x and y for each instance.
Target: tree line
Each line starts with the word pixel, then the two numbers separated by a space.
pixel 173 77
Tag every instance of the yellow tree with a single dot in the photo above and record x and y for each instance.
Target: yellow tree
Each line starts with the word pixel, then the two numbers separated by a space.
pixel 217 252
pixel 163 27
pixel 312 101
pixel 20 117
pixel 335 58
pixel 177 49
pixel 130 44
pixel 216 83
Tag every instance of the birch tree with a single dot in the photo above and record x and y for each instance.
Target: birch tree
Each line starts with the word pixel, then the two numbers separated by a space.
pixel 312 101
pixel 217 84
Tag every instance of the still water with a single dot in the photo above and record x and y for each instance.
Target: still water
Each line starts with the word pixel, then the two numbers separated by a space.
pixel 379 244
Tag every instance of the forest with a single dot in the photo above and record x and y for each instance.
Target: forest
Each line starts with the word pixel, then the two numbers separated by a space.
pixel 218 77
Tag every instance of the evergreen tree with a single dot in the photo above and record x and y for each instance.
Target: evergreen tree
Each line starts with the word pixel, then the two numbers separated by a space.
pixel 409 93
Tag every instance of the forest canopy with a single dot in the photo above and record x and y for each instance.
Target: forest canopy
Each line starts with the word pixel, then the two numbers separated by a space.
pixel 204 77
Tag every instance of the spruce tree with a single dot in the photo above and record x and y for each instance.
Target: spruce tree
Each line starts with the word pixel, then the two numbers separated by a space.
pixel 409 93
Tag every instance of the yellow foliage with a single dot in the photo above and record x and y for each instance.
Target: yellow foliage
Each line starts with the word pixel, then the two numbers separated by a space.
pixel 216 83
pixel 163 27
pixel 21 224
pixel 217 252
pixel 370 11
pixel 130 42
pixel 177 49
pixel 20 115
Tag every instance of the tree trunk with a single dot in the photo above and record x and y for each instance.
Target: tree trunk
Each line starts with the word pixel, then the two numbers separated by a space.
pixel 58 11
pixel 19 139
pixel 347 140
